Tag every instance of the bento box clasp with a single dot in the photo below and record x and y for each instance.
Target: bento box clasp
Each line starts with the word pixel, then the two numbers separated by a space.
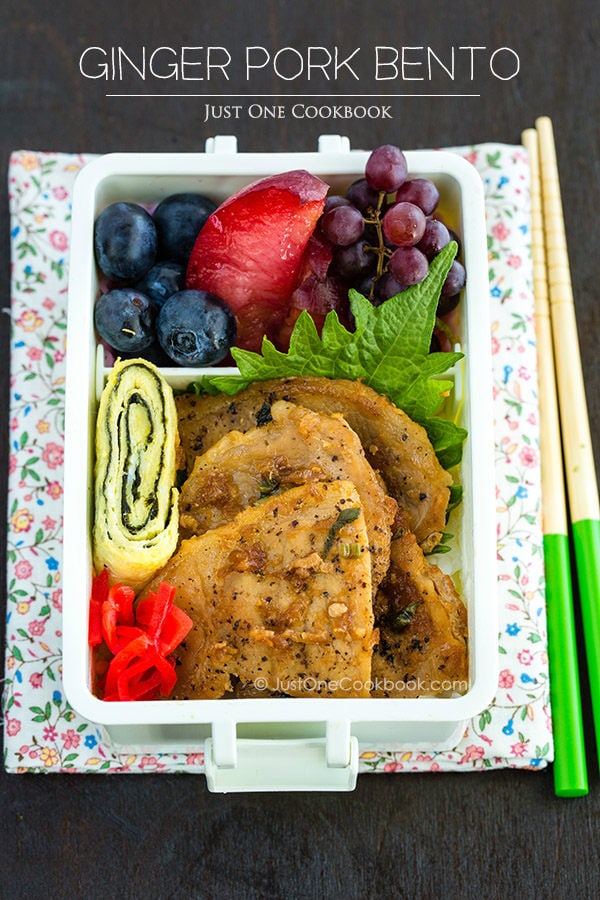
pixel 327 763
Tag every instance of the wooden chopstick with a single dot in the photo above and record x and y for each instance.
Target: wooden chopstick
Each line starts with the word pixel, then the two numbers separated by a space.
pixel 570 771
pixel 582 486
pixel 577 444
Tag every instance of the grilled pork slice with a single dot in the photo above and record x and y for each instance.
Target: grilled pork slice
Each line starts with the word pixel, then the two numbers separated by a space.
pixel 280 598
pixel 422 649
pixel 396 447
pixel 295 447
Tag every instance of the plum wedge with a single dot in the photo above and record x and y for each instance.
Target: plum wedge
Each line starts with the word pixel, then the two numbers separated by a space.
pixel 250 250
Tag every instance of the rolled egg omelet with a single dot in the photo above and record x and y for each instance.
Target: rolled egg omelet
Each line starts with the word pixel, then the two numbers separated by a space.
pixel 136 503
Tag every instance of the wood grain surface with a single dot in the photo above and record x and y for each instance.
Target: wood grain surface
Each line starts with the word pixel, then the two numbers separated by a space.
pixel 492 835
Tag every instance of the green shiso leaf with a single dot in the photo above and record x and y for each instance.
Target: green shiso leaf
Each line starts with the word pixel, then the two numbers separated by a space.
pixel 447 439
pixel 388 350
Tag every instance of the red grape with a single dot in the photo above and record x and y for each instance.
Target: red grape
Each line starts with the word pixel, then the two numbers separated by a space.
pixel 446 305
pixel 354 261
pixel 420 191
pixel 455 280
pixel 343 225
pixel 334 200
pixel 362 196
pixel 388 286
pixel 435 237
pixel 404 224
pixel 408 265
pixel 386 168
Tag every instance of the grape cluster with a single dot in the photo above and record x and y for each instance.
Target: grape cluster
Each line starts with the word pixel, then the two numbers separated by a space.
pixel 384 232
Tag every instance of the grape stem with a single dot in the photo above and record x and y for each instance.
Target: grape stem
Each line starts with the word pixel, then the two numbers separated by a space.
pixel 381 250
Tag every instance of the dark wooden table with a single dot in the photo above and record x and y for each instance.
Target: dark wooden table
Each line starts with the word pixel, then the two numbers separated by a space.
pixel 449 835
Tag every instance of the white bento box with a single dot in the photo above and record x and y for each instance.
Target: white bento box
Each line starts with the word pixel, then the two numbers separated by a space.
pixel 280 743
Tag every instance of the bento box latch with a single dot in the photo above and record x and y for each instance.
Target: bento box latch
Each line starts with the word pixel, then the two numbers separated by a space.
pixel 327 763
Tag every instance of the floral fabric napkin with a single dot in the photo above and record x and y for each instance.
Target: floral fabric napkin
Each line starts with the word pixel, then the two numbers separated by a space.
pixel 41 732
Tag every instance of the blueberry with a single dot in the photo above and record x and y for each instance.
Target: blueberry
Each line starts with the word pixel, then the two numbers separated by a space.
pixel 125 319
pixel 163 279
pixel 179 219
pixel 125 241
pixel 195 328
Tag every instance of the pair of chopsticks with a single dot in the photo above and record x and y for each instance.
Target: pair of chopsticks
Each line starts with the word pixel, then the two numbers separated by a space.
pixel 565 449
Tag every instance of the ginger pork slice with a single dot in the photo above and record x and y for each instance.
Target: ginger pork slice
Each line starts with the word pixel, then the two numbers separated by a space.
pixel 396 447
pixel 296 446
pixel 280 598
pixel 422 623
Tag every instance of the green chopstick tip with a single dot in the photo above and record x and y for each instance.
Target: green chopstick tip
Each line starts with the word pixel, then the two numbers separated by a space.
pixel 571 791
pixel 570 769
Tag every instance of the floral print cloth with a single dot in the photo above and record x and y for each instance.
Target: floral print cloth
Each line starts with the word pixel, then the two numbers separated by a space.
pixel 41 732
